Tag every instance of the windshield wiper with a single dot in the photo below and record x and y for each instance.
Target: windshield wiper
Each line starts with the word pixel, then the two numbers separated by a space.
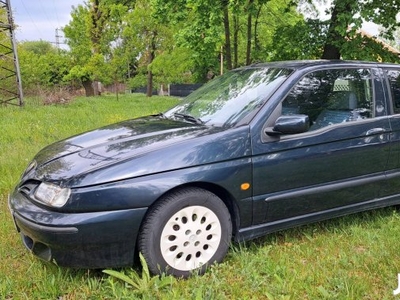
pixel 161 115
pixel 189 118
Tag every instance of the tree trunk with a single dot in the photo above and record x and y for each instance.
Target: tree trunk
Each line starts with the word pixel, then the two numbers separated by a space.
pixel 152 52
pixel 228 52
pixel 88 86
pixel 97 23
pixel 249 37
pixel 334 39
pixel 236 41
pixel 332 51
pixel 98 19
pixel 149 91
pixel 257 46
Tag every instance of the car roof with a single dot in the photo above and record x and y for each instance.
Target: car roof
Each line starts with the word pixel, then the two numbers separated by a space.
pixel 301 64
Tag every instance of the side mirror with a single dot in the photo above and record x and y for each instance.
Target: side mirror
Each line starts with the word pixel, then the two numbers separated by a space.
pixel 289 124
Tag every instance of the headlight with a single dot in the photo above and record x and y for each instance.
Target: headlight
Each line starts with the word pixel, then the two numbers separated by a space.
pixel 52 194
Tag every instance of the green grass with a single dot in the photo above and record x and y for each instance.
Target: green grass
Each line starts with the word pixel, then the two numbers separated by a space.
pixel 354 257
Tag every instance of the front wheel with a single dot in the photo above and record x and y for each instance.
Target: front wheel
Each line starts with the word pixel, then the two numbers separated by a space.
pixel 185 232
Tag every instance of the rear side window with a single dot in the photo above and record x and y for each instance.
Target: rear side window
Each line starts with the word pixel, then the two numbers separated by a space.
pixel 394 81
pixel 331 97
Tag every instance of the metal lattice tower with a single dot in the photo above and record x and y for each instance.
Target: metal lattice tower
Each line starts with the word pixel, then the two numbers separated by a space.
pixel 10 75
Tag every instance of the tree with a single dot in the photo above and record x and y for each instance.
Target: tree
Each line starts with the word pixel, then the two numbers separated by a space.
pixel 42 65
pixel 175 66
pixel 342 16
pixel 79 42
pixel 38 47
pixel 343 35
pixel 338 37
pixel 243 29
pixel 255 24
pixel 303 40
pixel 201 29
pixel 145 37
pixel 91 36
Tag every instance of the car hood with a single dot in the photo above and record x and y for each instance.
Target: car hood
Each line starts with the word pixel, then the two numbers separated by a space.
pixel 132 148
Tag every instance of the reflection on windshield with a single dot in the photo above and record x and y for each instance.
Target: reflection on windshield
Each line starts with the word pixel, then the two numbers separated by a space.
pixel 231 97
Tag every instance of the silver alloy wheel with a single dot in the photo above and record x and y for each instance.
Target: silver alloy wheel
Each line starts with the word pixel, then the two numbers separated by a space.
pixel 190 238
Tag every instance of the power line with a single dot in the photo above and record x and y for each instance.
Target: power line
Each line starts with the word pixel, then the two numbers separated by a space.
pixel 38 19
pixel 44 11
pixel 30 17
pixel 56 13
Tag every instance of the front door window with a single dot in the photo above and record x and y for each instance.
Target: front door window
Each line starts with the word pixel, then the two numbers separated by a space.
pixel 332 97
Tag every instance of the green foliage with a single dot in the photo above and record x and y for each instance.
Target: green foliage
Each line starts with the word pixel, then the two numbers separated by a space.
pixel 199 25
pixel 80 73
pixel 145 38
pixel 202 26
pixel 277 31
pixel 343 38
pixel 303 40
pixel 368 49
pixel 91 35
pixel 139 81
pixel 307 39
pixel 42 65
pixel 38 47
pixel 77 34
pixel 176 66
pixel 383 12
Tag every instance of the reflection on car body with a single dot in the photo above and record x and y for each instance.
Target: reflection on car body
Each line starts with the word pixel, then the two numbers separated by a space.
pixel 259 149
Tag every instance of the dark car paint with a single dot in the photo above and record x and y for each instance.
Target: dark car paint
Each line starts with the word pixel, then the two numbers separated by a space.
pixel 118 171
pixel 86 159
pixel 284 197
pixel 85 240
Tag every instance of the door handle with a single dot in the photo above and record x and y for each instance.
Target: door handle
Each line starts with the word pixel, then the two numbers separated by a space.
pixel 374 131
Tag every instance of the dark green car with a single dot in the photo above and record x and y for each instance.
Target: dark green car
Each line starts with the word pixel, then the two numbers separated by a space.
pixel 259 149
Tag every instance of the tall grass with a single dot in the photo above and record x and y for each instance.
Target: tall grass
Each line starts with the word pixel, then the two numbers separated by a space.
pixel 354 257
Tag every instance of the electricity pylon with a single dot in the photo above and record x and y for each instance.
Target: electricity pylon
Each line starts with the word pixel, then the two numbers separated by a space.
pixel 10 75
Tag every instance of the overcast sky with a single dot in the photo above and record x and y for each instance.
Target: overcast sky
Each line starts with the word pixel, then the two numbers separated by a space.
pixel 39 19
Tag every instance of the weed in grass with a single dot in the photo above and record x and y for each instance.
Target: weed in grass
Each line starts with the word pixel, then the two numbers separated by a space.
pixel 145 283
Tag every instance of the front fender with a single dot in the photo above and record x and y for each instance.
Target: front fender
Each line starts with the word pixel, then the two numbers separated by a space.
pixel 143 191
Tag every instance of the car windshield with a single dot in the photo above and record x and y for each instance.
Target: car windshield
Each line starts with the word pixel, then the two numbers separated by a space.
pixel 230 98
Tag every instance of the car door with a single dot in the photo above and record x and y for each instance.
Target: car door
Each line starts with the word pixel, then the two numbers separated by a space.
pixel 339 163
pixel 393 91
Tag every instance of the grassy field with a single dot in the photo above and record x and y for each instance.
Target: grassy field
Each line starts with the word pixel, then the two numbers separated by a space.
pixel 355 257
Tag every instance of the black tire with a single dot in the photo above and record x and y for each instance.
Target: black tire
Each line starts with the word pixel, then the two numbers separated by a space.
pixel 185 232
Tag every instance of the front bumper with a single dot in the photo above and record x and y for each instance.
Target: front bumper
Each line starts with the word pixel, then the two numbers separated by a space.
pixel 81 240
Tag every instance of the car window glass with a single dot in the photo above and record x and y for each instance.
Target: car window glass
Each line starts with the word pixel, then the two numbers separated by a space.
pixel 394 81
pixel 232 97
pixel 331 97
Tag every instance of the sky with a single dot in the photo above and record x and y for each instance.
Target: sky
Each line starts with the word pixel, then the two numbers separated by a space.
pixel 39 19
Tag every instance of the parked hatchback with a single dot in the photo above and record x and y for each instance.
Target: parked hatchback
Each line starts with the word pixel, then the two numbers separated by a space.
pixel 259 149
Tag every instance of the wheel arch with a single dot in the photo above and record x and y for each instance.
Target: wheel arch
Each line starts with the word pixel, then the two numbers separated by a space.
pixel 219 191
pixel 226 197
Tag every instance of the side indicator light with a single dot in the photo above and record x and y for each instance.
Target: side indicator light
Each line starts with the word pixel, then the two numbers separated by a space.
pixel 245 186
